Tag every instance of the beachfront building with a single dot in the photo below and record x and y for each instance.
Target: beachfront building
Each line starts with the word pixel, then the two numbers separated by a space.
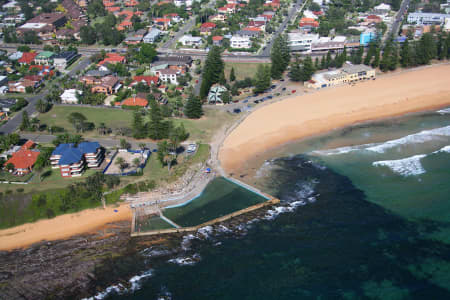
pixel 347 74
pixel 301 42
pixel 72 160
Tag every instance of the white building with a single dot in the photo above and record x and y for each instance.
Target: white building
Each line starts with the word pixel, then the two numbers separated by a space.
pixel 168 75
pixel 70 96
pixel 189 40
pixel 427 18
pixel 240 42
pixel 309 14
pixel 301 42
pixel 382 8
pixel 152 36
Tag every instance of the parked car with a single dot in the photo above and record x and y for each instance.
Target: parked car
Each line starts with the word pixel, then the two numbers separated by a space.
pixel 256 101
pixel 293 91
pixel 283 89
pixel 269 97
pixel 245 101
pixel 191 148
pixel 236 110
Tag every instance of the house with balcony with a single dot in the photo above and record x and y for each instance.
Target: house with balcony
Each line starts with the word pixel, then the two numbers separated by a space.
pixel 72 160
pixel 107 85
pixel 240 42
pixel 168 75
pixel 44 58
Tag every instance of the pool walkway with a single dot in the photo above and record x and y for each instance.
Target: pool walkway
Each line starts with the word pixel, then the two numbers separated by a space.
pixel 177 228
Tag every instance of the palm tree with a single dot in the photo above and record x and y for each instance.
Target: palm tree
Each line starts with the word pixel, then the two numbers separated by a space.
pixel 142 146
pixel 121 163
pixel 102 128
pixel 136 162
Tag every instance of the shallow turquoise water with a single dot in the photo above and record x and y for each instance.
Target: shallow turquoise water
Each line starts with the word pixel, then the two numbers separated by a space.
pixel 354 223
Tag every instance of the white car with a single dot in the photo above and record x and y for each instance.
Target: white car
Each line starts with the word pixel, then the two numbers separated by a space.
pixel 191 148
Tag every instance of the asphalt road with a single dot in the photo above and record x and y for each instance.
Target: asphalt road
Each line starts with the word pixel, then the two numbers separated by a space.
pixel 105 142
pixel 15 121
pixel 281 28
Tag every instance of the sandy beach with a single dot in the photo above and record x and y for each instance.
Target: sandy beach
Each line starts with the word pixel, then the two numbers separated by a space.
pixel 62 227
pixel 318 112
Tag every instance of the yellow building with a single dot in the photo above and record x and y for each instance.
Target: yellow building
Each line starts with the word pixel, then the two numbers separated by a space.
pixel 349 73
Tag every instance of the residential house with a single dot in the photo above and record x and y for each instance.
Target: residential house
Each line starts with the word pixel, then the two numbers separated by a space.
pixel 72 160
pixel 247 33
pixel 72 9
pixel 16 55
pixel 33 81
pixel 268 15
pixel 27 58
pixel 189 40
pixel 169 75
pixel 44 58
pixel 274 4
pixel 63 59
pixel 24 159
pixel 11 7
pixel 126 24
pixel 382 8
pixel 218 18
pixel 152 36
pixel 7 104
pixel 44 24
pixel 70 96
pixel 112 58
pixel 301 42
pixel 217 40
pixel 174 17
pixel 42 70
pixel 308 23
pixel 134 101
pixel 147 80
pixel 207 28
pixel 107 85
pixel 162 23
pixel 180 63
pixel 240 42
pixel 136 37
pixel 72 32
pixel 3 80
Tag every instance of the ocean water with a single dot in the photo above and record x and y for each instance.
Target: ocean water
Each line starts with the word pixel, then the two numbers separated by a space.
pixel 365 214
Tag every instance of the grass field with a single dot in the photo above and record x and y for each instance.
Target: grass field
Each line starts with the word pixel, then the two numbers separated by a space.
pixel 241 70
pixel 112 117
pixel 202 130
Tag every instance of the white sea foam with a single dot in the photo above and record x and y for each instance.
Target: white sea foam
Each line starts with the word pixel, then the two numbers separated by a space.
pixel 444 111
pixel 186 261
pixel 445 149
pixel 205 231
pixel 416 138
pixel 186 242
pixel 136 280
pixel 342 150
pixel 409 166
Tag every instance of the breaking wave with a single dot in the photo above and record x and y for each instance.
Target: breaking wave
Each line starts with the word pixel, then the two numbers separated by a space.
pixel 409 166
pixel 416 138
pixel 444 111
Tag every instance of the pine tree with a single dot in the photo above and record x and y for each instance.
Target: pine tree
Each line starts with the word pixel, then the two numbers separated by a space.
pixel 212 71
pixel 222 79
pixel 323 63
pixel 279 56
pixel 359 55
pixel 262 79
pixel 329 60
pixel 138 125
pixel 376 60
pixel 308 69
pixel 405 55
pixel 193 108
pixel 394 58
pixel 296 72
pixel 316 64
pixel 25 121
pixel 155 126
pixel 232 76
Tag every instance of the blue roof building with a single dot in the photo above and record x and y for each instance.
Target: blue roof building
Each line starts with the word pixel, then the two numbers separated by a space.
pixel 366 37
pixel 72 159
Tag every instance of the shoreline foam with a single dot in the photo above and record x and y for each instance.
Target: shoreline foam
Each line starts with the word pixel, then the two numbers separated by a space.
pixel 319 112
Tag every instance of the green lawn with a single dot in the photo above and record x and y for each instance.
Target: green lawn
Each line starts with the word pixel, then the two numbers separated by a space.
pixel 203 130
pixel 112 117
pixel 241 70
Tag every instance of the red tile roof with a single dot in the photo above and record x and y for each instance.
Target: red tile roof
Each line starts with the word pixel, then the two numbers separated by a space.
pixel 149 80
pixel 112 58
pixel 134 101
pixel 252 29
pixel 113 8
pixel 208 25
pixel 27 57
pixel 23 159
pixel 217 38
pixel 28 145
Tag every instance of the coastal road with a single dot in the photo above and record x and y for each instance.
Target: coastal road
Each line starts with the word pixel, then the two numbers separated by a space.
pixel 105 142
pixel 15 121
pixel 398 18
pixel 281 28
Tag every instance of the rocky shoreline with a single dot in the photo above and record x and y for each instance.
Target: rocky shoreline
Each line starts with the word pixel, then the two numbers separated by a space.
pixel 84 265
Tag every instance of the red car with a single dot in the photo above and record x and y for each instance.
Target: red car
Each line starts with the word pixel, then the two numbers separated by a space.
pixel 293 91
